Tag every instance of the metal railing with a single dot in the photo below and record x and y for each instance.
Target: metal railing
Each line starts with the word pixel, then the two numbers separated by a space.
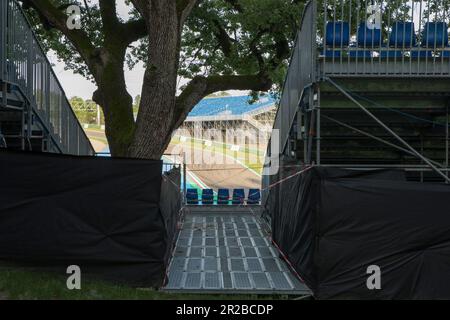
pixel 384 38
pixel 301 74
pixel 23 64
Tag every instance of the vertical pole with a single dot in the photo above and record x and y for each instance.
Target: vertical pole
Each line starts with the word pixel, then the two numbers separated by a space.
pixel 99 123
pixel 421 151
pixel 30 84
pixel 3 51
pixel 319 134
pixel 2 38
pixel 184 178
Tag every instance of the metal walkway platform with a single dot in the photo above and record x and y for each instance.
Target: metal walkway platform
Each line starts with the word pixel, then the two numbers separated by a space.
pixel 228 252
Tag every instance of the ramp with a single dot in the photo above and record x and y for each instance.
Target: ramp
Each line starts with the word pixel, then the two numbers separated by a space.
pixel 228 250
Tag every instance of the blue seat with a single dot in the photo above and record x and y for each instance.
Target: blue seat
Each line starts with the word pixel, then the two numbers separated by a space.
pixel 254 196
pixel 445 54
pixel 368 38
pixel 337 37
pixel 223 197
pixel 416 53
pixel 402 35
pixel 192 196
pixel 435 35
pixel 238 196
pixel 337 34
pixel 361 54
pixel 395 54
pixel 208 196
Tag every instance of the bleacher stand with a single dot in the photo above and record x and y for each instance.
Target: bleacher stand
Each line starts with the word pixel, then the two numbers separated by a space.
pixel 207 197
pixel 223 197
pixel 192 197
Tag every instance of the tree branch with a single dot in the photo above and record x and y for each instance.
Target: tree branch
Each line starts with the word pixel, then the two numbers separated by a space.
pixel 134 30
pixel 57 19
pixel 108 12
pixel 184 8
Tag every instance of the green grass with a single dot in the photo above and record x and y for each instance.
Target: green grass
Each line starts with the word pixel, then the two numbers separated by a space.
pixel 18 284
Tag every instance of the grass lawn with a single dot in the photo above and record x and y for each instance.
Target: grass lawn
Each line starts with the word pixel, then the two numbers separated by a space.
pixel 17 284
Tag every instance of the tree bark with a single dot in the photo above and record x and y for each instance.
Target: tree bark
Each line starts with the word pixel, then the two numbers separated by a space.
pixel 154 122
pixel 117 105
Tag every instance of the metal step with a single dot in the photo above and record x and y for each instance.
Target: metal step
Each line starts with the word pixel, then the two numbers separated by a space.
pixel 223 252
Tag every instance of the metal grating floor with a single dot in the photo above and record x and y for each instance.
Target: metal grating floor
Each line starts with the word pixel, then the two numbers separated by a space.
pixel 228 253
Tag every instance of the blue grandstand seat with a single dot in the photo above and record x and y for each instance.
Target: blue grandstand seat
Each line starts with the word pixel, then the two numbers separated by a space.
pixel 254 196
pixel 368 38
pixel 435 35
pixel 192 196
pixel 402 35
pixel 238 196
pixel 230 106
pixel 337 34
pixel 223 197
pixel 361 54
pixel 208 196
pixel 395 54
pixel 337 37
pixel 417 53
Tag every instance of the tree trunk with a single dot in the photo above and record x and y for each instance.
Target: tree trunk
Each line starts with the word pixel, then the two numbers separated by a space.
pixel 154 122
pixel 117 106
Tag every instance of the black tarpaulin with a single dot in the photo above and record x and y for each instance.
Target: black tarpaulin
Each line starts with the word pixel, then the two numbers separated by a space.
pixel 334 224
pixel 101 214
pixel 170 205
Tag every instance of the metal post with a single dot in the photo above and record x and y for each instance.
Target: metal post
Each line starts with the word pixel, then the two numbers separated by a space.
pixel 319 134
pixel 184 178
pixel 2 39
pixel 370 114
pixel 311 124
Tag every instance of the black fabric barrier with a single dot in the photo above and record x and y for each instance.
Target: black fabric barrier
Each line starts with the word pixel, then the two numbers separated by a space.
pixel 101 214
pixel 170 204
pixel 333 224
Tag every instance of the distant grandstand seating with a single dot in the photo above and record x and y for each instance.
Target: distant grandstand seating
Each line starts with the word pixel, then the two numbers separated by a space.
pixel 254 197
pixel 207 197
pixel 223 197
pixel 192 196
pixel 230 106
pixel 238 196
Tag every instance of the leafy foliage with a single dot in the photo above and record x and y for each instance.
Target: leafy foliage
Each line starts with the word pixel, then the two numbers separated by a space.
pixel 220 37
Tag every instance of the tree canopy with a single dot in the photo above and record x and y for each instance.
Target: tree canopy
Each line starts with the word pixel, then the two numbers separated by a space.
pixel 217 45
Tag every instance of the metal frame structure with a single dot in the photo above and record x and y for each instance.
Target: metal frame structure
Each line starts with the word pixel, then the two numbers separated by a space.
pixel 355 78
pixel 27 75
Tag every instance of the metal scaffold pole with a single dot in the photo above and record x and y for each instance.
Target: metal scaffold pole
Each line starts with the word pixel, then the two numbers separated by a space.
pixel 407 145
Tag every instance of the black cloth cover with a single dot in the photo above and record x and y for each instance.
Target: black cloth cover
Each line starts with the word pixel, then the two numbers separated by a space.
pixel 170 205
pixel 101 214
pixel 333 224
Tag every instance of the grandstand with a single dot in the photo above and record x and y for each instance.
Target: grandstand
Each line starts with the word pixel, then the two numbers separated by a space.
pixel 229 114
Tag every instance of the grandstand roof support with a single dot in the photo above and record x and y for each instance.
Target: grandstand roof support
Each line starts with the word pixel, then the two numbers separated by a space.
pixel 389 130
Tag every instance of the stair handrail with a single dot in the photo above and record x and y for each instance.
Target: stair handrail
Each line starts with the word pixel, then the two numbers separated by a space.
pixel 6 8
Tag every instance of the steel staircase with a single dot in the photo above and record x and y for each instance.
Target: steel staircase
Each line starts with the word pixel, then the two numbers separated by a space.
pixel 35 114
